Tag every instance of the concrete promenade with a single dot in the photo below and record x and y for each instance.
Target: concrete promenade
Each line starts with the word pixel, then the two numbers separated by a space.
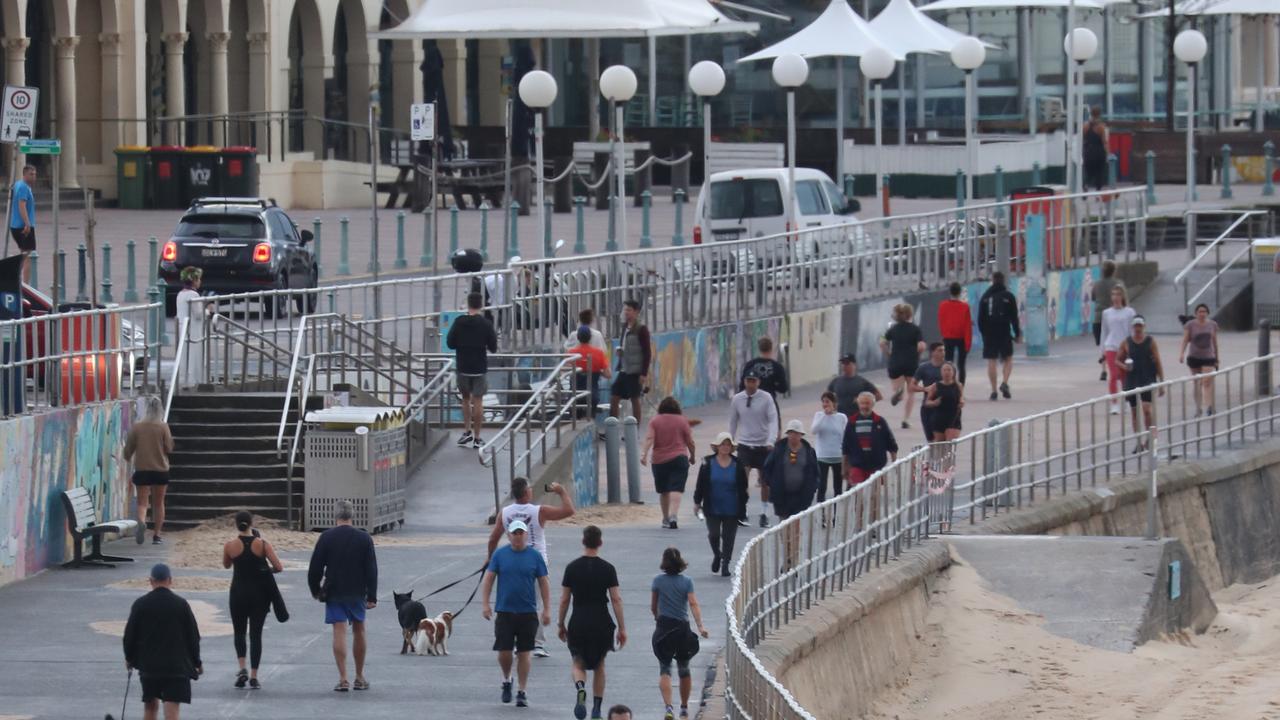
pixel 64 661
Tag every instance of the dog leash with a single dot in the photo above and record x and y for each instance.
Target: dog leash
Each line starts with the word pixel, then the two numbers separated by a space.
pixel 471 597
pixel 459 581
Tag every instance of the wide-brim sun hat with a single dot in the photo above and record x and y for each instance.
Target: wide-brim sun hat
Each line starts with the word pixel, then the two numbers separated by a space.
pixel 721 439
pixel 795 426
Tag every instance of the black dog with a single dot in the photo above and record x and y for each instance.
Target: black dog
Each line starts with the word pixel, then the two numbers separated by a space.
pixel 411 613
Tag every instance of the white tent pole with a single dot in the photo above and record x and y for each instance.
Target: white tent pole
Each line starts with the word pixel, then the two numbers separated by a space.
pixel 902 102
pixel 879 90
pixel 839 121
pixel 1262 70
pixel 1071 98
pixel 1109 95
pixel 970 99
pixel 866 84
pixel 653 81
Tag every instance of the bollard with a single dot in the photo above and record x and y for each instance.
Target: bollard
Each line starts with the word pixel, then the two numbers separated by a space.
pixel 315 245
pixel 1268 167
pixel 547 207
pixel 999 180
pixel 580 242
pixel 453 231
pixel 1035 173
pixel 848 187
pixel 885 194
pixel 131 270
pixel 484 229
pixel 1113 170
pixel 60 277
pixel 82 275
pixel 427 258
pixel 400 263
pixel 629 431
pixel 1263 380
pixel 153 276
pixel 1151 177
pixel 33 263
pixel 678 238
pixel 612 466
pixel 1226 172
pixel 513 248
pixel 155 319
pixel 106 274
pixel 959 188
pixel 645 240
pixel 611 244
pixel 344 246
pixel 333 301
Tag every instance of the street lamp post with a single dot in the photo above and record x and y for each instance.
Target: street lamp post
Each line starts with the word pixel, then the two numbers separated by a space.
pixel 706 80
pixel 876 65
pixel 790 72
pixel 968 54
pixel 617 85
pixel 538 91
pixel 1080 45
pixel 1190 47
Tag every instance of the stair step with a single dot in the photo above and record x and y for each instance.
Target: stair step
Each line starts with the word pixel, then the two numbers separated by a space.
pixel 238 401
pixel 234 486
pixel 240 429
pixel 228 444
pixel 231 502
pixel 230 415
pixel 185 456
pixel 248 472
pixel 191 516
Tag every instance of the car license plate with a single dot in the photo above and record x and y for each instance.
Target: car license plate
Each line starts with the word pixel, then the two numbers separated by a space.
pixel 214 252
pixel 725 235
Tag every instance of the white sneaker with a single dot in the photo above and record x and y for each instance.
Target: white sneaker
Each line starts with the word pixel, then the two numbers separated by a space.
pixel 541 652
pixel 698 513
pixel 1115 408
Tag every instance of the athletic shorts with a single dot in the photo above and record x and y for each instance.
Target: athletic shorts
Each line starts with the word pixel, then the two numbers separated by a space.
pixel 997 348
pixel 166 689
pixel 150 477
pixel 753 456
pixel 626 386
pixel 515 631
pixel 473 385
pixel 26 243
pixel 671 476
pixel 344 611
pixel 858 475
pixel 1201 363
pixel 1145 395
pixel 904 370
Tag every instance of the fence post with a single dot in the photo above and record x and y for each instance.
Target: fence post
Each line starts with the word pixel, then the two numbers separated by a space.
pixel 60 275
pixel 315 244
pixel 427 258
pixel 1226 172
pixel 848 186
pixel 81 273
pixel 678 238
pixel 580 240
pixel 611 244
pixel 547 208
pixel 1151 177
pixel 959 188
pixel 344 246
pixel 153 274
pixel 1035 173
pixel 374 260
pixel 645 197
pixel 1263 379
pixel 1268 167
pixel 629 431
pixel 1153 497
pixel 106 273
pixel 513 249
pixel 453 231
pixel 155 318
pixel 400 263
pixel 131 269
pixel 1113 170
pixel 484 229
pixel 612 442
pixel 999 180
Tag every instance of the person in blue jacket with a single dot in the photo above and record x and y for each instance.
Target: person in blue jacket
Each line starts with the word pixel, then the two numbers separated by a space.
pixel 791 471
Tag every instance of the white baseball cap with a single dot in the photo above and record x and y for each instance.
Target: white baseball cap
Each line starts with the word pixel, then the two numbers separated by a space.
pixel 516 526
pixel 1138 320
pixel 794 426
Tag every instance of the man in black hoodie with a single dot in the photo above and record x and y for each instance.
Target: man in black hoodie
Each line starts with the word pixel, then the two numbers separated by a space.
pixel 998 324
pixel 162 642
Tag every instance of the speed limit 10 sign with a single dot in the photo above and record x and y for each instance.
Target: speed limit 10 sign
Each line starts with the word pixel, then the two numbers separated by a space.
pixel 18 118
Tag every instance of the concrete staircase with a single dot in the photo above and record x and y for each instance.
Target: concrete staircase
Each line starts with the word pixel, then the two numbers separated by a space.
pixel 1162 301
pixel 225 460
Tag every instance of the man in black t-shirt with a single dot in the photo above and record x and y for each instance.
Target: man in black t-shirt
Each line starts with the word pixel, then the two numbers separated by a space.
pixel 848 385
pixel 472 338
pixel 771 373
pixel 592 584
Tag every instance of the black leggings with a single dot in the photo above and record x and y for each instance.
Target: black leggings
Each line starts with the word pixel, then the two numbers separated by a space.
pixel 956 354
pixel 248 612
pixel 823 469
pixel 722 530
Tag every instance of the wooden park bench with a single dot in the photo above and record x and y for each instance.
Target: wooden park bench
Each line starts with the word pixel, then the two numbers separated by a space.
pixel 82 521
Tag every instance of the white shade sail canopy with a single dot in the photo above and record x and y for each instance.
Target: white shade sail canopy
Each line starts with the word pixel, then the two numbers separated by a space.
pixel 1219 7
pixel 915 32
pixel 837 32
pixel 945 5
pixel 475 19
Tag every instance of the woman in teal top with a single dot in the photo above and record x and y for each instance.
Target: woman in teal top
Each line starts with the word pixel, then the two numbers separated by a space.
pixel 672 602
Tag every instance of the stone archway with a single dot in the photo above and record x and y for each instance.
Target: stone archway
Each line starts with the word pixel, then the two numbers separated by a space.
pixel 399 69
pixel 353 72
pixel 309 64
pixel 165 24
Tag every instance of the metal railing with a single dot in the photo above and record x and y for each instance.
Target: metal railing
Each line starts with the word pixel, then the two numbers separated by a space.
pixel 70 359
pixel 1215 246
pixel 805 559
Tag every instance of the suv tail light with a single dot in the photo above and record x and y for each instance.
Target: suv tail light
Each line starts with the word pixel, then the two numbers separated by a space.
pixel 262 253
pixel 170 252
pixel 697 235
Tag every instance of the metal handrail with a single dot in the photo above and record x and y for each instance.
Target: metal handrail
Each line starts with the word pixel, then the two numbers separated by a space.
pixel 1247 250
pixel 1222 237
pixel 434 387
pixel 303 397
pixel 183 331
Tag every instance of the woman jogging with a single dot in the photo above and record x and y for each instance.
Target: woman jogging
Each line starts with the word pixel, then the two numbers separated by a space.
pixel 251 560
pixel 1115 328
pixel 721 494
pixel 671 603
pixel 903 343
pixel 148 447
pixel 670 437
pixel 592 584
pixel 827 430
pixel 946 398
pixel 1200 351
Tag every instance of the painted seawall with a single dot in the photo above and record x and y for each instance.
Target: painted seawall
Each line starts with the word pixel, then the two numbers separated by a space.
pixel 42 455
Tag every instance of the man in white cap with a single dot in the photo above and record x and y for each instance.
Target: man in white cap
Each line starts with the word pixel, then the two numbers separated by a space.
pixel 791 472
pixel 522 577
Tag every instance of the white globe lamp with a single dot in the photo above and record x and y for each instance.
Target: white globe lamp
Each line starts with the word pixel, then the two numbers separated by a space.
pixel 790 71
pixel 706 79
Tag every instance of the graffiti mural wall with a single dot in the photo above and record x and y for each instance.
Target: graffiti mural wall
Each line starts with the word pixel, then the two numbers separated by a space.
pixel 586 468
pixel 700 366
pixel 42 455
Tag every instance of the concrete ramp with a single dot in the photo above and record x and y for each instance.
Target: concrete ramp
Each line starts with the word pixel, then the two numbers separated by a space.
pixel 1113 593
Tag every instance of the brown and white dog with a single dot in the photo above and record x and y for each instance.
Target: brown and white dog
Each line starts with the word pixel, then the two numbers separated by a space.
pixel 433 634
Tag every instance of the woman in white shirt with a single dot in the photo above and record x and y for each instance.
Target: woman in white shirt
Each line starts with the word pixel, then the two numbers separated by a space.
pixel 193 311
pixel 1115 328
pixel 827 432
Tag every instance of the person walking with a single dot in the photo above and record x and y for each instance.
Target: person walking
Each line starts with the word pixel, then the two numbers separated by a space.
pixel 998 325
pixel 1140 357
pixel 148 446
pixel 721 493
pixel 22 218
pixel 903 343
pixel 827 430
pixel 927 375
pixel 343 575
pixel 162 642
pixel 1200 337
pixel 670 438
pixel 848 385
pixel 521 575
pixel 592 584
pixel 753 420
pixel 945 401
pixel 672 600
pixel 955 321
pixel 868 446
pixel 1101 301
pixel 472 338
pixel 1116 321
pixel 635 355
pixel 251 560
pixel 772 374
pixel 535 519
pixel 792 474
pixel 1095 151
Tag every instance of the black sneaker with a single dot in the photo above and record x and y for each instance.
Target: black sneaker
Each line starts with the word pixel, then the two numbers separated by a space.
pixel 506 692
pixel 906 425
pixel 995 396
pixel 466 438
pixel 673 525
pixel 724 569
pixel 715 563
pixel 476 442
pixel 521 700
pixel 254 684
pixel 1004 390
pixel 580 707
pixel 896 398
pixel 140 534
pixel 242 678
pixel 764 520
pixel 157 540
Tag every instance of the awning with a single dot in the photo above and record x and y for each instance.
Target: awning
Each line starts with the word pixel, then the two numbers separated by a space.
pixel 837 32
pixel 945 5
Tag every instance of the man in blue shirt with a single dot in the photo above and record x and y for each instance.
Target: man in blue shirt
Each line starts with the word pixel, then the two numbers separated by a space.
pixel 22 217
pixel 522 575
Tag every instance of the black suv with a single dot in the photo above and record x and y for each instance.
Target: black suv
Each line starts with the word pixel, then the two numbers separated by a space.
pixel 242 245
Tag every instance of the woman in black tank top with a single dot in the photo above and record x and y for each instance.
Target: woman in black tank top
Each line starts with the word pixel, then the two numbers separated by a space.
pixel 1140 358
pixel 251 560
pixel 1094 152
pixel 946 397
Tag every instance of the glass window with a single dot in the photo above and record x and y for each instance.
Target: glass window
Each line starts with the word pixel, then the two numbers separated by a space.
pixel 738 199
pixel 282 228
pixel 835 197
pixel 809 198
pixel 224 227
